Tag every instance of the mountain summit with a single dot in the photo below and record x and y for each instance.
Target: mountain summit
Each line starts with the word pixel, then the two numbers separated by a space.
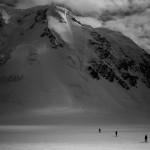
pixel 52 63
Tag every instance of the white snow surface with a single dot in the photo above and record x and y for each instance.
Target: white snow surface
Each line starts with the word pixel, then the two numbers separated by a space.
pixel 74 138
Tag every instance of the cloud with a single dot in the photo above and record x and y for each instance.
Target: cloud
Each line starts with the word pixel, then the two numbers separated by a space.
pixel 9 2
pixel 135 27
pixel 86 6
pixel 131 17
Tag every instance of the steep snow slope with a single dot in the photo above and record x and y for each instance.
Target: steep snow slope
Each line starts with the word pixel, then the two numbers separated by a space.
pixel 50 63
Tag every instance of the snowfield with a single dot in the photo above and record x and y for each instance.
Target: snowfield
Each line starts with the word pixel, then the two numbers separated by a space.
pixel 130 137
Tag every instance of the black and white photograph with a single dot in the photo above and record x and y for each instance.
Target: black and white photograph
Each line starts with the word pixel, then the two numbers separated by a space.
pixel 74 74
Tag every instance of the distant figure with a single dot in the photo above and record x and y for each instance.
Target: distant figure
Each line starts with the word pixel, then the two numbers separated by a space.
pixel 99 130
pixel 116 133
pixel 146 139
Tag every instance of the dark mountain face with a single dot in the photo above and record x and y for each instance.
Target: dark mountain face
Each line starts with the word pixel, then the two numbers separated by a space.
pixel 49 59
pixel 1 22
pixel 123 67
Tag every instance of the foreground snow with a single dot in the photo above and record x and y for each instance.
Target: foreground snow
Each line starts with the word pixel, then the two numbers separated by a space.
pixel 73 138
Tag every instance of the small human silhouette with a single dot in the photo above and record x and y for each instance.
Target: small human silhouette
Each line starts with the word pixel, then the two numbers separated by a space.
pixel 116 133
pixel 99 130
pixel 146 139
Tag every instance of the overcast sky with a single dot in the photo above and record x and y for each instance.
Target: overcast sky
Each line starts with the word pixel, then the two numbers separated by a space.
pixel 131 17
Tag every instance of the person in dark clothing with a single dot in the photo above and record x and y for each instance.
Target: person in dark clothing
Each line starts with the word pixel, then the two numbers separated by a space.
pixel 146 139
pixel 99 130
pixel 116 133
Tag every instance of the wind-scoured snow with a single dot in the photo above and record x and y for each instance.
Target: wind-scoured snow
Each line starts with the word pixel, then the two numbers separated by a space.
pixel 62 28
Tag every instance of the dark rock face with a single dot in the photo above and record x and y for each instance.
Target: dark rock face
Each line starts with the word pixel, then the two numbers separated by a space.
pixel 123 70
pixel 75 20
pixel 125 64
pixel 41 15
pixel 48 33
pixel 1 22
pixel 131 78
pixel 93 73
pixel 145 69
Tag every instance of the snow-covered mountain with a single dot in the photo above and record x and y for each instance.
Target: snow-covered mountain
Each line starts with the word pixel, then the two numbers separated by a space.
pixel 51 63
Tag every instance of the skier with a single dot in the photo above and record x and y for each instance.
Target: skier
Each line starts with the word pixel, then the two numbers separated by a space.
pixel 99 130
pixel 146 139
pixel 116 133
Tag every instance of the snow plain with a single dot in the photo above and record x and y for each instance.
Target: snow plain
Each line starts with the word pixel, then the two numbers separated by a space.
pixel 66 137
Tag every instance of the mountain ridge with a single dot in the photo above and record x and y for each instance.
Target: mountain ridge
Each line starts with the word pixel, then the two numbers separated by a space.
pixel 48 59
